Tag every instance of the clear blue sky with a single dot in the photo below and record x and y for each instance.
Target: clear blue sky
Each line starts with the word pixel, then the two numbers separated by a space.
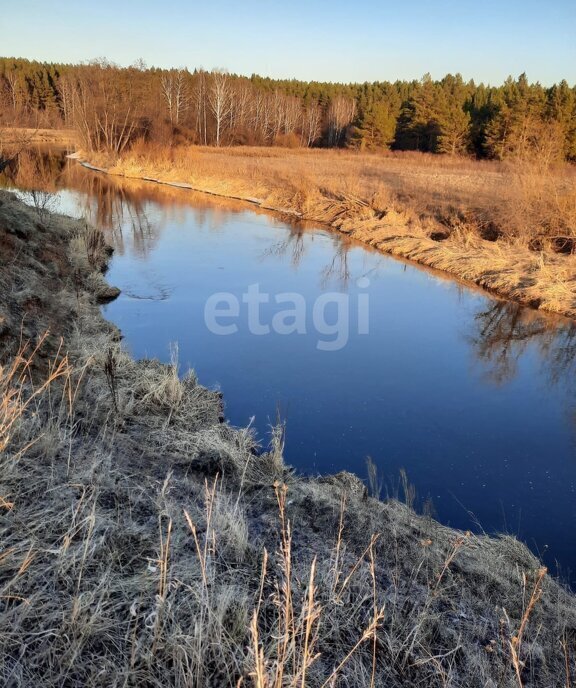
pixel 361 40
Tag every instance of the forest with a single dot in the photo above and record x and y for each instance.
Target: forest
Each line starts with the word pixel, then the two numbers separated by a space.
pixel 111 107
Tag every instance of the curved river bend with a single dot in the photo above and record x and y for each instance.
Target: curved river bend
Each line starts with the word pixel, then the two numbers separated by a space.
pixel 473 397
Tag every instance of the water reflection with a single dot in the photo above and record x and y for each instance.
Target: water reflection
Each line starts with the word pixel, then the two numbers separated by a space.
pixel 503 332
pixel 122 207
pixel 291 245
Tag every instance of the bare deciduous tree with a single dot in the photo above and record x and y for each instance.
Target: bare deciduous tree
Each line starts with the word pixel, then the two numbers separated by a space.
pixel 176 94
pixel 200 107
pixel 13 83
pixel 311 124
pixel 220 100
pixel 105 111
pixel 66 91
pixel 341 113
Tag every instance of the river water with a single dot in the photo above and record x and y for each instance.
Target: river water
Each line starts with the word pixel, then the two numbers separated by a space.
pixel 473 397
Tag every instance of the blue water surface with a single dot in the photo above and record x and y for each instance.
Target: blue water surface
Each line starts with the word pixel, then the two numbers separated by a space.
pixel 472 396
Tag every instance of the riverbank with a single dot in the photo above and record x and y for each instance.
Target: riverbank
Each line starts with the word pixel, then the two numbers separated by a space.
pixel 17 136
pixel 507 230
pixel 147 542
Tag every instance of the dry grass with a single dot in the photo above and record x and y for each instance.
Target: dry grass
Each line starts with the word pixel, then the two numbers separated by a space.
pixel 15 135
pixel 144 542
pixel 18 392
pixel 508 229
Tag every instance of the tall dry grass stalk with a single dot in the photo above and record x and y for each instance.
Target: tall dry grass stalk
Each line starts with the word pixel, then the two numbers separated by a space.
pixel 515 641
pixel 19 391
pixel 287 661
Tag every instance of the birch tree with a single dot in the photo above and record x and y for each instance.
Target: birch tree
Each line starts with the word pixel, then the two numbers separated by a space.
pixel 66 92
pixel 220 100
pixel 311 124
pixel 175 93
pixel 341 114
pixel 199 97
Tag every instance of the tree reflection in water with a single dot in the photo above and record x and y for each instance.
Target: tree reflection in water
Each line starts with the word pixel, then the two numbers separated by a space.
pixel 504 331
pixel 293 245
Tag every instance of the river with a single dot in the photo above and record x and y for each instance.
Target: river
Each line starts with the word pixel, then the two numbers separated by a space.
pixel 359 354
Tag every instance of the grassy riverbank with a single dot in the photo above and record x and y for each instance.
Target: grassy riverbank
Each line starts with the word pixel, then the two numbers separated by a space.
pixel 146 542
pixel 510 229
pixel 17 136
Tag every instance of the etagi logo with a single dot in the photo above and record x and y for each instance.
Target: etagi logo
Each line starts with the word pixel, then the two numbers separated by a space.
pixel 331 314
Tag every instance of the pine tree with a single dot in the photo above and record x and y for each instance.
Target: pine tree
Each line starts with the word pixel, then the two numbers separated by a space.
pixel 517 122
pixel 561 108
pixel 375 127
pixel 454 125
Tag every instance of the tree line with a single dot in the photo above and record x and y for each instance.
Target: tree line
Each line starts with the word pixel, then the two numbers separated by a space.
pixel 112 106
